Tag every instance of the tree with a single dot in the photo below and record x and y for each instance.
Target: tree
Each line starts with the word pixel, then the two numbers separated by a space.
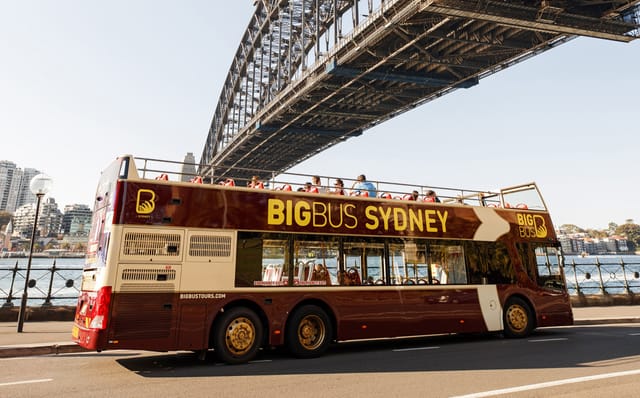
pixel 632 232
pixel 5 217
pixel 594 233
pixel 570 229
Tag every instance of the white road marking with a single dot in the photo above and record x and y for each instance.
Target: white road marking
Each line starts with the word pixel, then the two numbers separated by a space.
pixel 25 382
pixel 634 334
pixel 545 340
pixel 261 361
pixel 415 349
pixel 549 384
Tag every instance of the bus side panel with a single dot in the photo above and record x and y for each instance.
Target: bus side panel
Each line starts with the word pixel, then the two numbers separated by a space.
pixel 143 321
pixel 372 313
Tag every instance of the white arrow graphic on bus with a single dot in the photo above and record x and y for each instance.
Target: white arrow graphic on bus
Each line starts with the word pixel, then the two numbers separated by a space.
pixel 492 226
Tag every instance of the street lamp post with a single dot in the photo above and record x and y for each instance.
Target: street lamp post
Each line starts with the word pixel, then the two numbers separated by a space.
pixel 39 185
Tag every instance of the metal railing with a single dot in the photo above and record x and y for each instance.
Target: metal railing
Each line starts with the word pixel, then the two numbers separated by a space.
pixel 53 285
pixel 46 285
pixel 602 277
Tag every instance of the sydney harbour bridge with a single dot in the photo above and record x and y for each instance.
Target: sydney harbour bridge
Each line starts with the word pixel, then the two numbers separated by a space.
pixel 309 74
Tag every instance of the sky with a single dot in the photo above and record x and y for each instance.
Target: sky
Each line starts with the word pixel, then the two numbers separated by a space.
pixel 83 81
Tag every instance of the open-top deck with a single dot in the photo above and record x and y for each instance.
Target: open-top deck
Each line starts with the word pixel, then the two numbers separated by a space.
pixel 524 196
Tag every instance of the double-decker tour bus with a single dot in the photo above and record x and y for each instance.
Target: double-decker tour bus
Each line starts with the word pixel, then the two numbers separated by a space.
pixel 196 265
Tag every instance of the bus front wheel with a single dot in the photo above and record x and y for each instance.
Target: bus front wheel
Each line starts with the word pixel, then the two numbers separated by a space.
pixel 237 335
pixel 518 318
pixel 309 332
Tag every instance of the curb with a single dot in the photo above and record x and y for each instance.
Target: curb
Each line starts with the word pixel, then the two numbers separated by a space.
pixel 26 351
pixel 605 321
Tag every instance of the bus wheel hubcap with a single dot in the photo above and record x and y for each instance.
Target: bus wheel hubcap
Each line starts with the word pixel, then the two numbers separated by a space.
pixel 240 335
pixel 517 317
pixel 311 332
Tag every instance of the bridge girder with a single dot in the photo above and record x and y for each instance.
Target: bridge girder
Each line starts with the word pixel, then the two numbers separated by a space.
pixel 287 98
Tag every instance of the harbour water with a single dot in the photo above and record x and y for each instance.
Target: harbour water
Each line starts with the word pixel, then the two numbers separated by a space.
pixel 57 281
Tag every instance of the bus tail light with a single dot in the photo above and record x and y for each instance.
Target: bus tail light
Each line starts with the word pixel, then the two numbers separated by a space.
pixel 101 309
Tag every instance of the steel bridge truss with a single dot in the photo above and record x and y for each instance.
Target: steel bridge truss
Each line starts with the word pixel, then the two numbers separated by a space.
pixel 309 74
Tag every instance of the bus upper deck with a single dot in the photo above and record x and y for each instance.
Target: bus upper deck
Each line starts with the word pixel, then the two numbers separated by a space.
pixel 523 196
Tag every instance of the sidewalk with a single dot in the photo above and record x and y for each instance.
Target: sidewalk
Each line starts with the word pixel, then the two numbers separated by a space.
pixel 54 337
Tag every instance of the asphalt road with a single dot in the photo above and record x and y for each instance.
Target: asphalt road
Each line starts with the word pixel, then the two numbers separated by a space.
pixel 578 361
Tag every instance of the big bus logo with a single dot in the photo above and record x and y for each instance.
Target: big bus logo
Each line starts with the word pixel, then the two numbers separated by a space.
pixel 532 226
pixel 146 201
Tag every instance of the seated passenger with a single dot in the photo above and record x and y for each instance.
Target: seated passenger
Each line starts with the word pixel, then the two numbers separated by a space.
pixel 256 183
pixel 315 181
pixel 431 196
pixel 339 187
pixel 308 187
pixel 363 186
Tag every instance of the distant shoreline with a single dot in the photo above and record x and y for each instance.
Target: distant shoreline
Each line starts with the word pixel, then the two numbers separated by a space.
pixel 41 255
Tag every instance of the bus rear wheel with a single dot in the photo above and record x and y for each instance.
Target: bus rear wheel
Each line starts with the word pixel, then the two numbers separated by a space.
pixel 237 335
pixel 309 332
pixel 518 318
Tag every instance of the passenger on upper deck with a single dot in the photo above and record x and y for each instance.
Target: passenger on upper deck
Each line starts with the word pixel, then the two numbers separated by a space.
pixel 339 187
pixel 414 195
pixel 309 187
pixel 255 183
pixel 315 180
pixel 362 185
pixel 431 197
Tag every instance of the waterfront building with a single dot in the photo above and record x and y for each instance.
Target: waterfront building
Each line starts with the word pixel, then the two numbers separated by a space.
pixel 579 244
pixel 188 167
pixel 76 220
pixel 49 219
pixel 14 186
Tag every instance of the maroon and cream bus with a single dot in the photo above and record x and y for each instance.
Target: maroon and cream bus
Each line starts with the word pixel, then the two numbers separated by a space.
pixel 195 266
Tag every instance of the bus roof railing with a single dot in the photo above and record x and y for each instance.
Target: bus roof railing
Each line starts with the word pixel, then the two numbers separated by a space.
pixel 522 196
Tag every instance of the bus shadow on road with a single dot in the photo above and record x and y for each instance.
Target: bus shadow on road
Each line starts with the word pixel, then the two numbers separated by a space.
pixel 546 348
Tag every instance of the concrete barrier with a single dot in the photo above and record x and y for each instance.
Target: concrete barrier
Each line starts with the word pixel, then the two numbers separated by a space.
pixel 599 300
pixel 38 314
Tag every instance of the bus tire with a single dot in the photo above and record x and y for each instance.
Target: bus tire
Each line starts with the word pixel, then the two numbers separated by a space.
pixel 238 334
pixel 309 332
pixel 518 318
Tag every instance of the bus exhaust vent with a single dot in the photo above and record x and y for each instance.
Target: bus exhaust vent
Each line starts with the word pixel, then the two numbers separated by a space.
pixel 148 275
pixel 151 244
pixel 209 246
pixel 147 288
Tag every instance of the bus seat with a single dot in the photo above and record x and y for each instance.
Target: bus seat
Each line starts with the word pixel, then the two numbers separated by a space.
pixel 163 177
pixel 267 275
pixel 321 274
pixel 429 199
pixel 522 206
pixel 353 277
pixel 313 190
pixel 407 196
pixel 229 182
pixel 385 195
pixel 196 180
